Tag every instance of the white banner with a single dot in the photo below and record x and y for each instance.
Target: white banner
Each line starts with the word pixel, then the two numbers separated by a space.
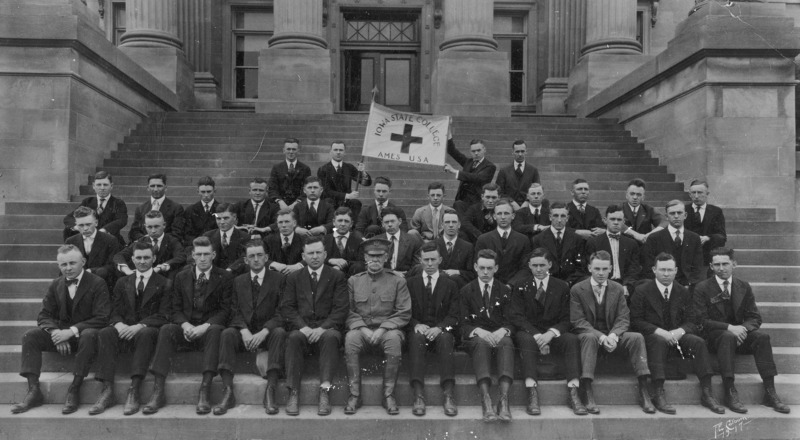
pixel 406 137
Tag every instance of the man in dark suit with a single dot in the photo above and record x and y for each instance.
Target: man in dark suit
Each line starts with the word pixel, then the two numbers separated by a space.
pixel 479 218
pixel 97 247
pixel 314 215
pixel 139 307
pixel 285 249
pixel 539 310
pixel 404 254
pixel 315 306
pixel 173 211
pixel 112 213
pixel 624 251
pixel 566 247
pixel 287 176
pixel 474 173
pixel 435 305
pixel 342 246
pixel 534 216
pixel 227 241
pixel 584 218
pixel 485 328
pixel 457 254
pixel 337 177
pixel 169 255
pixel 641 219
pixel 257 214
pixel 369 221
pixel 705 220
pixel 254 324
pixel 511 246
pixel 679 242
pixel 74 308
pixel 199 218
pixel 730 320
pixel 601 318
pixel 426 222
pixel 663 312
pixel 515 179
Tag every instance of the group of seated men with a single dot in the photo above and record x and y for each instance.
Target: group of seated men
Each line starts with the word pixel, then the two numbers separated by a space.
pixel 289 272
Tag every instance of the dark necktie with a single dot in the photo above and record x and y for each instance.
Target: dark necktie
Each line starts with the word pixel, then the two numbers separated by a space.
pixel 206 207
pixel 394 251
pixel 340 244
pixel 697 220
pixel 314 283
pixel 100 204
pixel 487 299
pixel 536 215
pixel 286 243
pixel 312 211
pixel 677 241
pixel 505 238
pixel 614 236
pixel 519 170
pixel 581 209
pixel 449 247
pixel 255 291
pixel 380 210
pixel 540 293
pixel 291 168
pixel 474 165
pixel 338 169
pixel 429 287
pixel 140 286
pixel 155 246
pixel 558 243
pixel 256 207
pixel 224 240
pixel 726 294
pixel 199 284
pixel 667 310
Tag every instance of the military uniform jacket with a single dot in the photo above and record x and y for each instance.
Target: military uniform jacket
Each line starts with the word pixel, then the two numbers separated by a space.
pixel 380 300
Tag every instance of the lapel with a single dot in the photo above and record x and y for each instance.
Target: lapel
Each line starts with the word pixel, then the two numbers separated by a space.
pixel 495 302
pixel 61 297
pixel 438 294
pixel 262 292
pixel 130 290
pixel 213 280
pixel 610 298
pixel 737 295
pixel 442 246
pixel 81 292
pixel 656 295
pixel 245 293
pixel 548 297
pixel 324 277
pixel 715 291
pixel 402 246
pixel 149 290
pixel 588 298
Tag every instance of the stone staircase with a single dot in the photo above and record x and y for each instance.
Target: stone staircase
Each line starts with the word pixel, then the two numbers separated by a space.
pixel 234 147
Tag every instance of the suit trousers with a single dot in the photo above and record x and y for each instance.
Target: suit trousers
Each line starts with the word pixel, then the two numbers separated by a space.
pixel 297 346
pixel 693 346
pixel 170 337
pixel 631 343
pixel 481 353
pixel 142 345
pixel 566 344
pixel 231 343
pixel 418 346
pixel 391 344
pixel 36 340
pixel 723 343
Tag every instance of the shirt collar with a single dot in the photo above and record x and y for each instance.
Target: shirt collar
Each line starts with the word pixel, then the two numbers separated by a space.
pixel 435 207
pixel 596 284
pixel 160 201
pixel 720 281
pixel 517 165
pixel 93 236
pixel 260 275
pixel 661 287
pixel 555 231
pixel 146 275
pixel 544 281
pixel 702 207
pixel 291 237
pixel 534 208
pixel 396 235
pixel 490 283
pixel 434 277
pixel 578 204
pixel 448 240
pixel 672 230
pixel 318 271
pixel 309 202
pixel 290 163
pixel 80 275
pixel 386 203
pixel 634 208
pixel 336 164
pixel 197 273
pixel 346 236
pixel 501 231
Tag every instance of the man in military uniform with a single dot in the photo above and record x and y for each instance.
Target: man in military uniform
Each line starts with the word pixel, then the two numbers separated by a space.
pixel 380 306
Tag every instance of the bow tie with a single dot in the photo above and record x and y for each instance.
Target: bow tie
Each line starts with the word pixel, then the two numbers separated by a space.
pixel 614 236
pixel 72 281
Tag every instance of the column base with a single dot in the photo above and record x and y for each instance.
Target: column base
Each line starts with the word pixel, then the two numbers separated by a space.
pixel 594 73
pixel 552 99
pixel 294 81
pixel 170 67
pixel 471 84
pixel 207 94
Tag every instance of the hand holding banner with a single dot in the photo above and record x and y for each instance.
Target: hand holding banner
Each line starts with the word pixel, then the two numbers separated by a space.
pixel 406 137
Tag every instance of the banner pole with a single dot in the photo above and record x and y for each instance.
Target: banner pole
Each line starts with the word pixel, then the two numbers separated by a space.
pixel 366 135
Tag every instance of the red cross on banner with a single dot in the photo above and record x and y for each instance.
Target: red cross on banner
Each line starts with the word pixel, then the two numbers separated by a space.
pixel 406 137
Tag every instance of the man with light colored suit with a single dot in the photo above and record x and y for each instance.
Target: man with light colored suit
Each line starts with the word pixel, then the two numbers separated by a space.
pixel 173 211
pixel 427 220
pixel 515 179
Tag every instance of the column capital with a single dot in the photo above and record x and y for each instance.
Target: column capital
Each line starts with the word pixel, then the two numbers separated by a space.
pixel 468 26
pixel 298 25
pixel 611 28
pixel 151 23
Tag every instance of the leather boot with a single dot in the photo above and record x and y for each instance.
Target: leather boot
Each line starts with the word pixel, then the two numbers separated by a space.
pixel 732 400
pixel 324 403
pixel 270 402
pixel 32 399
pixel 588 393
pixel 489 415
pixel 132 401
pixel 708 400
pixel 105 400
pixel 72 401
pixel 660 401
pixel 644 397
pixel 354 384
pixel 772 400
pixel 203 401
pixel 293 403
pixel 390 371
pixel 419 405
pixel 533 402
pixel 449 403
pixel 158 399
pixel 574 402
pixel 503 411
pixel 228 401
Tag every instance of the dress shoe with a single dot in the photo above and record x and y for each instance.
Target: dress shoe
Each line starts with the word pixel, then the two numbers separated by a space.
pixel 106 400
pixel 203 403
pixel 270 403
pixel 352 405
pixel 293 403
pixel 390 403
pixel 644 400
pixel 72 401
pixel 489 415
pixel 419 405
pixel 588 393
pixel 772 400
pixel 228 401
pixel 503 411
pixel 732 401
pixel 131 402
pixel 533 402
pixel 449 404
pixel 32 399
pixel 324 403
pixel 708 400
pixel 574 402
pixel 660 402
pixel 157 400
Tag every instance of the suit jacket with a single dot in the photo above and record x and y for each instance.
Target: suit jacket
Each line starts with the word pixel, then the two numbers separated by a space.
pixel 324 215
pixel 710 309
pixel 646 219
pixel 570 263
pixel 582 310
pixel 647 308
pixel 408 252
pixel 446 302
pixel 524 219
pixel 326 308
pixel 90 307
pixel 473 310
pixel 460 259
pixel 352 247
pixel 285 186
pixel 113 218
pixel 337 185
pixel 266 313
pixel 369 217
pixel 196 222
pixel 216 301
pixel 101 259
pixel 529 315
pixel 170 252
pixel 173 216
pixel 516 187
pixel 422 220
pixel 291 255
pixel 691 270
pixel 231 257
pixel 590 219
pixel 510 256
pixel 713 226
pixel 477 222
pixel 267 214
pixel 154 308
pixel 630 266
pixel 472 180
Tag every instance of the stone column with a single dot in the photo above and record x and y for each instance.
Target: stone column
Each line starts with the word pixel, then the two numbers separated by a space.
pixel 566 35
pixel 294 73
pixel 199 22
pixel 152 41
pixel 471 76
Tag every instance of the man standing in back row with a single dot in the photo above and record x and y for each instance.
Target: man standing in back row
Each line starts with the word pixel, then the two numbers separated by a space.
pixel 337 177
pixel 474 173
pixel 288 176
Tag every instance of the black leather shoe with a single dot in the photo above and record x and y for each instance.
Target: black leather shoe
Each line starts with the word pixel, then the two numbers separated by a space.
pixel 732 401
pixel 503 411
pixel 574 402
pixel 228 401
pixel 591 406
pixel 390 403
pixel 72 401
pixel 449 404
pixel 772 400
pixel 489 415
pixel 708 400
pixel 419 406
pixel 32 399
pixel 157 400
pixel 104 401
pixel 533 402
pixel 132 402
pixel 660 402
pixel 324 403
pixel 270 403
pixel 352 405
pixel 203 403
pixel 293 403
pixel 644 400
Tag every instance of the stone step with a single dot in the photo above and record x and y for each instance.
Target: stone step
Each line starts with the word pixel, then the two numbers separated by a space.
pixel 764 228
pixel 18 309
pixel 754 241
pixel 772 274
pixel 24 288
pixel 31 236
pixel 355 140
pixel 32 221
pixel 37 252
pixel 29 269
pixel 777 292
pixel 782 334
pixel 291 130
pixel 497 151
pixel 775 312
pixel 776 257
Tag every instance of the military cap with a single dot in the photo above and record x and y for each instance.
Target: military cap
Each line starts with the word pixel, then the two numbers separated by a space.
pixel 376 244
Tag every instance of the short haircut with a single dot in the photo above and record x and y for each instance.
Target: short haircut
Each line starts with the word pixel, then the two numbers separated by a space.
pixel 663 256
pixel 452 211
pixel 579 180
pixel 612 209
pixel 699 182
pixel 722 251
pixel 201 241
pixel 600 255
pixel 206 181
pixel 225 207
pixel 338 142
pixel 384 180
pixel 491 186
pixel 390 210
pixel 535 185
pixel 503 202
pixel 540 252
pixel 286 211
pixel 67 248
pixel 311 239
pixel 259 180
pixel 154 214
pixel 518 142
pixel 291 141
pixel 103 175
pixel 311 179
pixel 487 254
pixel 255 243
pixel 436 185
pixel 84 211
pixel 638 183
pixel 477 141
pixel 143 246
pixel 343 210
pixel 160 176
pixel 557 205
pixel 429 247
pixel 672 203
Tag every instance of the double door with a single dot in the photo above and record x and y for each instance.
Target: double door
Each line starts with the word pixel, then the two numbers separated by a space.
pixel 392 76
